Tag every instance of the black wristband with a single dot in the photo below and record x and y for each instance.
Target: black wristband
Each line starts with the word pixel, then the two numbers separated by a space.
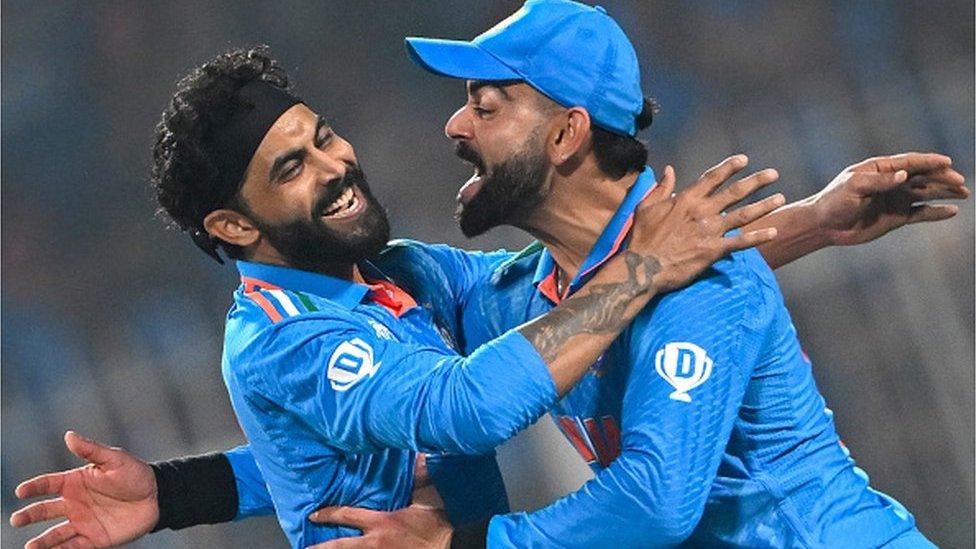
pixel 473 535
pixel 195 490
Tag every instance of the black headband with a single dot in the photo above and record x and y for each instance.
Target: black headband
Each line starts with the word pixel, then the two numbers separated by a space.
pixel 259 105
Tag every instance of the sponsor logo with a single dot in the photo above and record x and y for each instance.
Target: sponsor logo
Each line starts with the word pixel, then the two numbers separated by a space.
pixel 685 366
pixel 351 362
pixel 382 331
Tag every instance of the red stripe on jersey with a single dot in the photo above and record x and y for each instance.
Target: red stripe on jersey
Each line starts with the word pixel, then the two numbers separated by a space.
pixel 613 436
pixel 572 432
pixel 599 444
pixel 263 302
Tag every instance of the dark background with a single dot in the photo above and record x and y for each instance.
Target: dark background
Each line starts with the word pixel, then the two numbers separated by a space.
pixel 112 324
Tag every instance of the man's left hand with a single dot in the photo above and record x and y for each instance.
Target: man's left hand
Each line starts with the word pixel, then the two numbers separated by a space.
pixel 416 526
pixel 880 194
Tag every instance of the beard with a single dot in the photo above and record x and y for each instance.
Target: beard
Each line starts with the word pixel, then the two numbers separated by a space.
pixel 312 245
pixel 509 193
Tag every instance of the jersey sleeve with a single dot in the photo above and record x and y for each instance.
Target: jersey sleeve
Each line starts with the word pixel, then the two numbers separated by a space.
pixel 364 393
pixel 439 274
pixel 691 360
pixel 253 498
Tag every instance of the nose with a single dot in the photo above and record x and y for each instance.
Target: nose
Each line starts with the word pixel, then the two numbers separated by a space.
pixel 459 125
pixel 330 167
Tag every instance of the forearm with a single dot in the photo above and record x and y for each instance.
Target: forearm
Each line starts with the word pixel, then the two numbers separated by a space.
pixel 571 337
pixel 798 233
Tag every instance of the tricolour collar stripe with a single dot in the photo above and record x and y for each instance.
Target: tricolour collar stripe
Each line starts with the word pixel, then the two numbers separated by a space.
pixel 265 305
pixel 285 302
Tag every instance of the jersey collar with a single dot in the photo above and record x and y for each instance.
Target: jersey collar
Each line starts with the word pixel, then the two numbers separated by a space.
pixel 607 244
pixel 270 277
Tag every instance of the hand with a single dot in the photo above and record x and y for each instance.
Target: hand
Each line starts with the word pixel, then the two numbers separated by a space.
pixel 686 233
pixel 108 502
pixel 416 526
pixel 880 194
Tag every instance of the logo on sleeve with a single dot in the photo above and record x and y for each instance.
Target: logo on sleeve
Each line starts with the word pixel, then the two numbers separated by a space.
pixel 351 361
pixel 684 365
pixel 381 331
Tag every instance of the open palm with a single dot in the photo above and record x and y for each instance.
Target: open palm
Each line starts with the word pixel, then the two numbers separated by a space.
pixel 110 501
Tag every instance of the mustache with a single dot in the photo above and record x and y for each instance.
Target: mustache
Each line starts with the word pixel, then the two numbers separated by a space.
pixel 466 153
pixel 354 176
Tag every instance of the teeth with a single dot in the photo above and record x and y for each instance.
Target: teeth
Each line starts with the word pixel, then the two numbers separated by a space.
pixel 341 202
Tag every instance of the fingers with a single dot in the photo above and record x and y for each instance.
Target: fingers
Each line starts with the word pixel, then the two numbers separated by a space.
pixel 38 512
pixel 932 212
pixel 718 174
pixel 912 162
pixel 347 516
pixel 938 192
pixel 89 450
pixel 745 187
pixel 749 240
pixel 51 537
pixel 42 485
pixel 667 182
pixel 945 176
pixel 747 214
pixel 868 183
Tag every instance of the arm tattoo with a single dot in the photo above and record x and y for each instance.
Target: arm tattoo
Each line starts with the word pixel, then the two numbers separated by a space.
pixel 600 310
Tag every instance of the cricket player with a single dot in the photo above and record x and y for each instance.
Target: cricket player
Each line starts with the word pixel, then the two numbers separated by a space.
pixel 509 287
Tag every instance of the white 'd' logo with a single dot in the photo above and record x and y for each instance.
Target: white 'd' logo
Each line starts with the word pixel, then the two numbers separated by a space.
pixel 351 362
pixel 684 365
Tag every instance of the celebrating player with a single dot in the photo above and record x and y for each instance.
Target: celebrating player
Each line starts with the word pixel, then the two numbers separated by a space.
pixel 539 163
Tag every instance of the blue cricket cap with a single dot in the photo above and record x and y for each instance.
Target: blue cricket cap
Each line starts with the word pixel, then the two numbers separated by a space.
pixel 575 54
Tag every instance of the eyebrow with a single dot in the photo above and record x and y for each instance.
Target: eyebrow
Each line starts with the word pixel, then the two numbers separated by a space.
pixel 476 85
pixel 298 153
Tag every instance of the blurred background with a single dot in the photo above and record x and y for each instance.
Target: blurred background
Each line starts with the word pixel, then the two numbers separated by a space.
pixel 112 324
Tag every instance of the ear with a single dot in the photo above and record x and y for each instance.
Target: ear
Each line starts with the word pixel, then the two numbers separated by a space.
pixel 569 136
pixel 231 227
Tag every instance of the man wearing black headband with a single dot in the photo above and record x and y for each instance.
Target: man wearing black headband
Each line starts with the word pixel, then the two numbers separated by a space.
pixel 328 224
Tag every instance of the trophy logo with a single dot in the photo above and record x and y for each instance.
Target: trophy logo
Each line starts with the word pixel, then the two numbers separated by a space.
pixel 684 365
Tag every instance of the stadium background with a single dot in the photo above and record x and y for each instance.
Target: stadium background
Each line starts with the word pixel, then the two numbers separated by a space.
pixel 112 325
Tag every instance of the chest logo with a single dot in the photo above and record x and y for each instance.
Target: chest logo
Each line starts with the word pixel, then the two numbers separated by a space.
pixel 351 362
pixel 683 365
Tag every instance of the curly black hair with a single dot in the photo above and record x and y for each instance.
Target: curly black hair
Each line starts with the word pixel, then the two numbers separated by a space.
pixel 184 176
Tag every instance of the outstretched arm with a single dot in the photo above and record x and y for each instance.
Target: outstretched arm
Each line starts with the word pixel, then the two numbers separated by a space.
pixel 864 202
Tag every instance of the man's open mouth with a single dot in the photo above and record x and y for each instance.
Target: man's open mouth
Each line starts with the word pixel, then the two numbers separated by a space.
pixel 472 185
pixel 348 204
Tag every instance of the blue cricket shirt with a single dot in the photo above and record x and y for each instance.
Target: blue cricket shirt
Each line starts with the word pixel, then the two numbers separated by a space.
pixel 337 385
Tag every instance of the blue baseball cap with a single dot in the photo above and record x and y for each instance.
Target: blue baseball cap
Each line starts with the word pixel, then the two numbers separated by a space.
pixel 574 54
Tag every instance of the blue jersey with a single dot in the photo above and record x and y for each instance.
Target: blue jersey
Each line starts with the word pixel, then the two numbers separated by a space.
pixel 702 421
pixel 336 385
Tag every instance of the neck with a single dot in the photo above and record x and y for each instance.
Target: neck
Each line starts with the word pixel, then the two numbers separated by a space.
pixel 343 271
pixel 574 214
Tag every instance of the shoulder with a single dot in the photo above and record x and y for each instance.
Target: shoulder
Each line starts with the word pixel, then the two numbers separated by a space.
pixel 259 341
pixel 734 292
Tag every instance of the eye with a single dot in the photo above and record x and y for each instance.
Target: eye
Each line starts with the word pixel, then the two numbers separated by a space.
pixel 293 170
pixel 483 112
pixel 324 137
